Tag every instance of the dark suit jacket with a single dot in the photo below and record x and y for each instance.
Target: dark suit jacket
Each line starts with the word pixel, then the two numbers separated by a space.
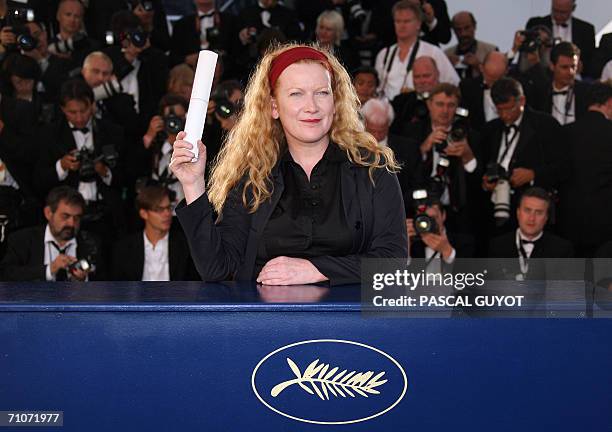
pixel 603 54
pixel 25 255
pixel 186 38
pixel 57 72
pixel 408 109
pixel 57 140
pixel 408 155
pixel 281 17
pixel 152 78
pixel 541 147
pixel 472 98
pixel 229 248
pixel 540 95
pixel 128 258
pixel 548 246
pixel 585 214
pixel 583 36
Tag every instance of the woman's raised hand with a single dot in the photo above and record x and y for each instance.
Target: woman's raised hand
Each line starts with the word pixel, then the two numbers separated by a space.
pixel 190 174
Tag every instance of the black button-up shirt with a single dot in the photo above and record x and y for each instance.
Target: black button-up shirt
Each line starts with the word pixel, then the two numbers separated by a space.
pixel 309 219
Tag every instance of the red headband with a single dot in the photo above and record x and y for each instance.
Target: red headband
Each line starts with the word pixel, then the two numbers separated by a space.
pixel 287 58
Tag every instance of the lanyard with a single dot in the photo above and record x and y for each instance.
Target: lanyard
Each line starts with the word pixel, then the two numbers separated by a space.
pixel 523 258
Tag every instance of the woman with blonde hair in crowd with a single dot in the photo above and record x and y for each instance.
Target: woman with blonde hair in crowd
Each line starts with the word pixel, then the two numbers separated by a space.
pixel 303 193
pixel 328 34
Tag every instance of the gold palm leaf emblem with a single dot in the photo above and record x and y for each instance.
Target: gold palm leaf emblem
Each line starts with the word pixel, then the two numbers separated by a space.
pixel 331 381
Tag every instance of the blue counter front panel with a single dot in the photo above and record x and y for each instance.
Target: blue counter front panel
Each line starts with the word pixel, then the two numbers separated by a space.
pixel 181 370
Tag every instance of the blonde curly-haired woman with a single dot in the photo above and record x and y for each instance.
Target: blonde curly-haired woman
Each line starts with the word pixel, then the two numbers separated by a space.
pixel 303 193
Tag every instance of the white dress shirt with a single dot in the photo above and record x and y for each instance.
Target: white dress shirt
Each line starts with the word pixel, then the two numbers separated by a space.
pixel 6 179
pixel 129 83
pixel 513 139
pixel 392 83
pixel 562 111
pixel 156 264
pixel 89 190
pixel 51 253
pixel 561 32
pixel 490 112
pixel 207 21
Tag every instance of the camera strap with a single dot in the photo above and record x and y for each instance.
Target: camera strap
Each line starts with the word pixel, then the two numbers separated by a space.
pixel 508 144
pixel 523 258
pixel 389 60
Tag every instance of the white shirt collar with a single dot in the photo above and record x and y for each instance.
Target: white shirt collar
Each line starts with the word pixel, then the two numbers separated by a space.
pixel 523 237
pixel 161 243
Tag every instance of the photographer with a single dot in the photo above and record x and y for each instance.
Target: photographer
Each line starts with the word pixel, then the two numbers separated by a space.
pixel 12 26
pixel 151 14
pixel 159 139
pixel 561 94
pixel 523 148
pixel 411 107
pixel 71 42
pixel 476 92
pixel 469 54
pixel 20 74
pixel 566 28
pixel 429 237
pixel 59 251
pixel 141 69
pixel 447 158
pixel 55 70
pixel 530 52
pixel 83 152
pixel 209 29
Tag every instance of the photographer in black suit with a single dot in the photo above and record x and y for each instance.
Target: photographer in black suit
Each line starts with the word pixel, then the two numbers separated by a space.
pixel 158 253
pixel 561 94
pixel 522 148
pixel 447 159
pixel 529 240
pixel 55 252
pixel 584 212
pixel 567 28
pixel 83 152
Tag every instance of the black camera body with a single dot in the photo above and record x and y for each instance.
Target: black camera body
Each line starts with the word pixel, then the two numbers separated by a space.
pixel 495 172
pixel 16 19
pixel 225 108
pixel 173 124
pixel 423 223
pixel 88 159
pixel 137 37
pixel 459 129
pixel 532 42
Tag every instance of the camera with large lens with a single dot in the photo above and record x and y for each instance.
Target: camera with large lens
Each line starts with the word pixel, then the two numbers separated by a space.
pixel 83 265
pixel 423 223
pixel 459 129
pixel 501 194
pixel 137 37
pixel 356 12
pixel 173 124
pixel 88 159
pixel 532 41
pixel 225 108
pixel 16 19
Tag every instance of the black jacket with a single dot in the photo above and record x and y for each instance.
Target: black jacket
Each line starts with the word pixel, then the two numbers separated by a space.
pixel 540 95
pixel 585 214
pixel 472 98
pixel 583 36
pixel 547 246
pixel 57 140
pixel 25 255
pixel 128 258
pixel 229 248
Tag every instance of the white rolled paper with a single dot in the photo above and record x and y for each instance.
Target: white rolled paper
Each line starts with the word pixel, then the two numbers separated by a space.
pixel 200 94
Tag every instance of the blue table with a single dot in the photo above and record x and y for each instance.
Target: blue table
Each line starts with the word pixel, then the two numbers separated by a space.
pixel 195 356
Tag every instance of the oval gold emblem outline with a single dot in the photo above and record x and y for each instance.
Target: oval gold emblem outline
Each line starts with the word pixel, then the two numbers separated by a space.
pixel 328 341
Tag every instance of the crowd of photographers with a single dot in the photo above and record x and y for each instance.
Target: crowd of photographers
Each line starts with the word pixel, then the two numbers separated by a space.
pixel 502 153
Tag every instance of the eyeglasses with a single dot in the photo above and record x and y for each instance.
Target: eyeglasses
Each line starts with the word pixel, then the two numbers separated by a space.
pixel 158 209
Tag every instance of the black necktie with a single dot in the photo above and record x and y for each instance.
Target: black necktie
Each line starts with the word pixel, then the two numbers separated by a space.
pixel 510 128
pixel 564 25
pixel 558 93
pixel 527 241
pixel 62 274
pixel 83 130
pixel 208 15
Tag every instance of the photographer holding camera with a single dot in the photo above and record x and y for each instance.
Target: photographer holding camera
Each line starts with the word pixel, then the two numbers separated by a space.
pixel 71 42
pixel 159 139
pixel 83 152
pixel 209 29
pixel 447 163
pixel 523 148
pixel 59 251
pixel 429 237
